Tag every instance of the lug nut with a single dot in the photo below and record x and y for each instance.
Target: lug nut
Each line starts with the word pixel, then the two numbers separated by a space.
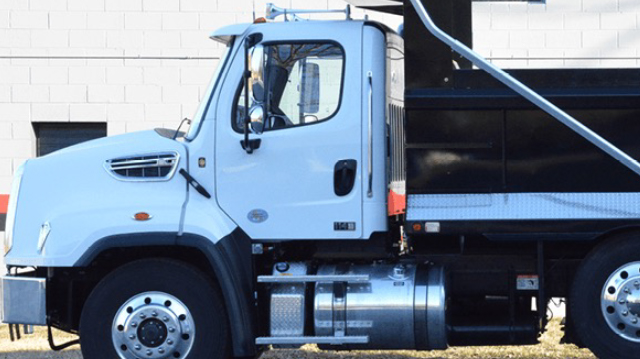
pixel 166 319
pixel 169 341
pixel 161 350
pixel 149 352
pixel 154 313
pixel 637 284
pixel 625 312
pixel 132 337
pixel 134 324
pixel 172 329
pixel 621 301
pixel 634 320
pixel 142 316
pixel 626 290
pixel 137 346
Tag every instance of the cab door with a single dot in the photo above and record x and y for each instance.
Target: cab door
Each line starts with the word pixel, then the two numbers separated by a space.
pixel 304 179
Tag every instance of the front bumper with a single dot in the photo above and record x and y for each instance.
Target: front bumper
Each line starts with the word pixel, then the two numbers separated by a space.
pixel 23 300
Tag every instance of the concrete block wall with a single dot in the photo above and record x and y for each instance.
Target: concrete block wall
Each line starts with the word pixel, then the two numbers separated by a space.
pixel 140 64
pixel 559 33
pixel 134 64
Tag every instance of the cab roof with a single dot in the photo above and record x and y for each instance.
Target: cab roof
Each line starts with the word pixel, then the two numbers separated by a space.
pixel 227 33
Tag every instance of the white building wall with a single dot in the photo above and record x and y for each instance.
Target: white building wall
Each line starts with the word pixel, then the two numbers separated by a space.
pixel 560 33
pixel 134 64
pixel 141 64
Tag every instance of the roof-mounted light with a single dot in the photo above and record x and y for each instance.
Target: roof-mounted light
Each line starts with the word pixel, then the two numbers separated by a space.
pixel 275 11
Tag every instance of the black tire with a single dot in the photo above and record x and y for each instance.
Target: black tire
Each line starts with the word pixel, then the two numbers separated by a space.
pixel 588 306
pixel 168 278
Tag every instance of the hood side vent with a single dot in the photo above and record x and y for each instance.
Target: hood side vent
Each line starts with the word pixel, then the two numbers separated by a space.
pixel 151 167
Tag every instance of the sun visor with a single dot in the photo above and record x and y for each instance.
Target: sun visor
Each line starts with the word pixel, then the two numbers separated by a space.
pixel 386 6
pixel 226 33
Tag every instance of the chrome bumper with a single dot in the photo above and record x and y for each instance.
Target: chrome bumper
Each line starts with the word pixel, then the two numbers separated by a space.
pixel 23 300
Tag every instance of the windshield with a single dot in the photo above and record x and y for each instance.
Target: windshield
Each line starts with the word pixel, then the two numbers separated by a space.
pixel 204 103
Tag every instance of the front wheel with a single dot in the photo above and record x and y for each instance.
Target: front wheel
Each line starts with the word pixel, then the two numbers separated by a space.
pixel 154 308
pixel 605 299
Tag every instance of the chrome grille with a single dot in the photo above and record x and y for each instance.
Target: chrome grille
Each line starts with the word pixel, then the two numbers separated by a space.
pixel 151 167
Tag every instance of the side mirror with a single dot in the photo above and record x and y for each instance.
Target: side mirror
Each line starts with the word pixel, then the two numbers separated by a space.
pixel 256 116
pixel 310 89
pixel 256 66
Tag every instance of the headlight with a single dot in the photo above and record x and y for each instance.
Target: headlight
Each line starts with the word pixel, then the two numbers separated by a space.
pixel 11 209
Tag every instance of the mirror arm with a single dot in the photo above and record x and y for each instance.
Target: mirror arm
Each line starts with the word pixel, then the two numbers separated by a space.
pixel 246 75
pixel 249 42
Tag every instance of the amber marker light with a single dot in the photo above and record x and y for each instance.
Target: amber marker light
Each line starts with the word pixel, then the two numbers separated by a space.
pixel 260 20
pixel 142 216
pixel 417 227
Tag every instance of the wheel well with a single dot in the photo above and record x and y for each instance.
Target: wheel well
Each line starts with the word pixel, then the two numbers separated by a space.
pixel 70 287
pixel 115 257
pixel 616 232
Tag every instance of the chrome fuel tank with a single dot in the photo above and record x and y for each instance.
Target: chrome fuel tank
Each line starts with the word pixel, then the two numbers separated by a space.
pixel 402 306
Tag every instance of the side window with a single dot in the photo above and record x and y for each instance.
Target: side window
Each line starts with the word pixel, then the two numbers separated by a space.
pixel 302 82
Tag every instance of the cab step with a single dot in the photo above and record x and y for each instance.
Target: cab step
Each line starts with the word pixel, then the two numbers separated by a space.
pixel 313 340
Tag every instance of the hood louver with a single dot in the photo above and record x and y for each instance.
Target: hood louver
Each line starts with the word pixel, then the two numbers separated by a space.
pixel 151 167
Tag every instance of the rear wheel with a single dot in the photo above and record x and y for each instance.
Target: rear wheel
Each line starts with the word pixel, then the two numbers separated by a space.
pixel 605 299
pixel 154 308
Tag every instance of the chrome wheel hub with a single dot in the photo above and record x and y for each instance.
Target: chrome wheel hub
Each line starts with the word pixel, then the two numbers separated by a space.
pixel 620 301
pixel 153 325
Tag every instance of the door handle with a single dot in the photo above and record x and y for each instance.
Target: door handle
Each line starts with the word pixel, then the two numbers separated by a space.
pixel 344 176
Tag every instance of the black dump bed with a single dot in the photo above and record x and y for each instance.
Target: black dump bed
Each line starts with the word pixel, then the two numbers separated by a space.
pixel 477 136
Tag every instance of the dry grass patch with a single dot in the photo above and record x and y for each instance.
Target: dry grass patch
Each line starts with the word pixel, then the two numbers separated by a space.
pixel 36 347
pixel 549 347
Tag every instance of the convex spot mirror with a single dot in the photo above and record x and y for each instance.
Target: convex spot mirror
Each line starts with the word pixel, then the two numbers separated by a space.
pixel 256 116
pixel 256 66
pixel 310 118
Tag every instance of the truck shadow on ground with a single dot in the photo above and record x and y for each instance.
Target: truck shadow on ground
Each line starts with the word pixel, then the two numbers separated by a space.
pixel 279 354
pixel 33 354
pixel 303 354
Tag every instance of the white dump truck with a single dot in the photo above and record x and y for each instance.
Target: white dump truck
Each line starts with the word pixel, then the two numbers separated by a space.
pixel 349 186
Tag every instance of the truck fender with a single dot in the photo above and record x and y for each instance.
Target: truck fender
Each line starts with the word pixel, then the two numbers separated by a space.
pixel 230 259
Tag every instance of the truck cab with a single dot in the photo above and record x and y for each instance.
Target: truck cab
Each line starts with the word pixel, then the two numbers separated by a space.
pixel 307 170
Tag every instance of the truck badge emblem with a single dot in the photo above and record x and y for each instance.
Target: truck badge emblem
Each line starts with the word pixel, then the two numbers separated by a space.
pixel 258 215
pixel 344 226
